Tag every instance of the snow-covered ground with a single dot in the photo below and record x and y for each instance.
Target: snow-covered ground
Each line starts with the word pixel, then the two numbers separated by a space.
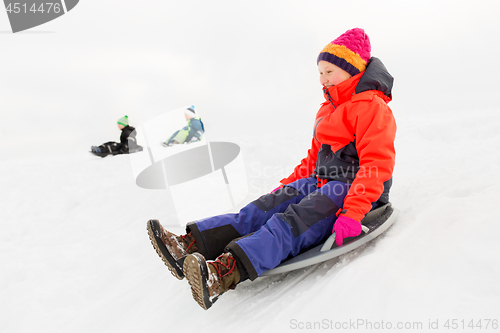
pixel 74 251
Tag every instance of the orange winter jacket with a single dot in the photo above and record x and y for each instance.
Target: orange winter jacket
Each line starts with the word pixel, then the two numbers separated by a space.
pixel 353 140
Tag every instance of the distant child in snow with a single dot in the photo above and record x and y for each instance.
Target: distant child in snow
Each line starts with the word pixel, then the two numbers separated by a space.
pixel 128 143
pixel 346 173
pixel 192 132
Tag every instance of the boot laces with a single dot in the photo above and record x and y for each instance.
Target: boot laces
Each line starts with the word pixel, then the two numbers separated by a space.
pixel 192 243
pixel 218 264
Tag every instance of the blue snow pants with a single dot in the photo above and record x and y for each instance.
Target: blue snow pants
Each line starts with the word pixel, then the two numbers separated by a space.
pixel 274 227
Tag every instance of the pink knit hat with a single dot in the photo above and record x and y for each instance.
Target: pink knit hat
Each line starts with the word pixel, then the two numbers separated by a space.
pixel 350 51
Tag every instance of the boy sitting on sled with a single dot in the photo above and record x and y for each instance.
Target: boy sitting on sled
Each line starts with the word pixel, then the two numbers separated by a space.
pixel 127 144
pixel 192 132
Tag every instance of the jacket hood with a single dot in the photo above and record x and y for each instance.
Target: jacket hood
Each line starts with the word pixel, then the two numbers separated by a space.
pixel 376 77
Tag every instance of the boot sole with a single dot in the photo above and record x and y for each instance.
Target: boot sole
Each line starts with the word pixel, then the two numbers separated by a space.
pixel 162 251
pixel 196 272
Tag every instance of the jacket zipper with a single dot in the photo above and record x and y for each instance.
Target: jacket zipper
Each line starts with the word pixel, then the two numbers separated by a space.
pixel 329 97
pixel 316 126
pixel 320 119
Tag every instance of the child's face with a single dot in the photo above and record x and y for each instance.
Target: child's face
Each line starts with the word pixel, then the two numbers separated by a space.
pixel 120 126
pixel 331 75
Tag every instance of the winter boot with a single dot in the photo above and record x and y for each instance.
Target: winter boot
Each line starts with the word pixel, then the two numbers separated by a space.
pixel 210 279
pixel 171 248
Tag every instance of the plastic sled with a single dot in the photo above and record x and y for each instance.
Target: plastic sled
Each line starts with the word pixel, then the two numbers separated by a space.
pixel 135 149
pixel 375 223
pixel 130 151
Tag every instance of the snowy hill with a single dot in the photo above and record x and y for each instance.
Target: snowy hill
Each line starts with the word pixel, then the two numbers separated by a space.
pixel 74 251
pixel 77 257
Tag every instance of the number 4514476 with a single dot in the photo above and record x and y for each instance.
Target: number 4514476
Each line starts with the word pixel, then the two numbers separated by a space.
pixel 47 7
pixel 478 324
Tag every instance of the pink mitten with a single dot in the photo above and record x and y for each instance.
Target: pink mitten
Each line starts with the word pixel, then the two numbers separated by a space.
pixel 345 227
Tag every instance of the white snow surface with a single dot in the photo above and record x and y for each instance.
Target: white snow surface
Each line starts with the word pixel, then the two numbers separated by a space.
pixel 74 252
